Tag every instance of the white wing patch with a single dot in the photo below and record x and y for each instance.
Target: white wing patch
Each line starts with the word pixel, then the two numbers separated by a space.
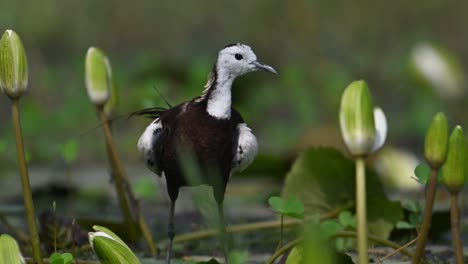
pixel 145 144
pixel 247 148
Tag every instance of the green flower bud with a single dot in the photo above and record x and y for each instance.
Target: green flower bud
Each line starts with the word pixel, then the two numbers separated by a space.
pixel 109 248
pixel 98 76
pixel 357 119
pixel 454 169
pixel 13 65
pixel 436 144
pixel 9 250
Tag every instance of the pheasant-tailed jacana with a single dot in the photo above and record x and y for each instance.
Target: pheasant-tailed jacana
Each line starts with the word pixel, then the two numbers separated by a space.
pixel 209 127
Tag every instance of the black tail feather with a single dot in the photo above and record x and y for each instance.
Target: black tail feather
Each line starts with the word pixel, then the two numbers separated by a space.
pixel 152 112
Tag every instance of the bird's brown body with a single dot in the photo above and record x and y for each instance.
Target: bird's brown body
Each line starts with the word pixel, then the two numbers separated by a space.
pixel 211 142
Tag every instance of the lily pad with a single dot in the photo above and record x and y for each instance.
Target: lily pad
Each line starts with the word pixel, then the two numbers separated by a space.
pixel 292 207
pixel 324 179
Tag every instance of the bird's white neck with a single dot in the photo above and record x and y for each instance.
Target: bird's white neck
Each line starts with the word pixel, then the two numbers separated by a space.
pixel 219 100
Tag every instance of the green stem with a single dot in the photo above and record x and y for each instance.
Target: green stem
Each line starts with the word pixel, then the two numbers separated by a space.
pixel 281 230
pixel 265 225
pixel 424 231
pixel 372 238
pixel 279 252
pixel 118 175
pixel 120 181
pixel 377 240
pixel 361 212
pixel 27 195
pixel 455 221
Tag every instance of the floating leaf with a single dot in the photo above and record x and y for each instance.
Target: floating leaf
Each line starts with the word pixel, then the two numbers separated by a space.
pixel 277 204
pixel 329 228
pixel 238 257
pixel 347 219
pixel 404 225
pixel 57 258
pixel 423 173
pixel 145 188
pixel 69 150
pixel 324 180
pixel 292 207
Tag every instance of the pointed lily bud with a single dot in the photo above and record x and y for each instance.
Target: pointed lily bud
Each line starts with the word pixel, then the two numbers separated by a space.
pixel 13 65
pixel 9 251
pixel 436 144
pixel 98 76
pixel 357 119
pixel 454 169
pixel 380 128
pixel 109 248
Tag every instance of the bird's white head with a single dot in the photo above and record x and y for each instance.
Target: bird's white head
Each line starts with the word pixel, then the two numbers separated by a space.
pixel 238 59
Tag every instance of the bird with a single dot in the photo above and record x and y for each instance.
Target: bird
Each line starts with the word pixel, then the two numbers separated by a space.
pixel 209 129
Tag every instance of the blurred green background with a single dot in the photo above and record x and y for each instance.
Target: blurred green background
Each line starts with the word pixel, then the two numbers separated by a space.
pixel 413 54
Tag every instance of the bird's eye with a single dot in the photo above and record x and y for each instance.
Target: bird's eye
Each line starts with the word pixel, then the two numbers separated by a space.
pixel 238 56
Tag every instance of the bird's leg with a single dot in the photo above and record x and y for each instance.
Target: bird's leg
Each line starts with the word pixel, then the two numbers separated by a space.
pixel 223 233
pixel 171 232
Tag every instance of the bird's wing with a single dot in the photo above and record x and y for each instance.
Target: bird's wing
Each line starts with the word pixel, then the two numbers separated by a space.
pixel 246 148
pixel 150 145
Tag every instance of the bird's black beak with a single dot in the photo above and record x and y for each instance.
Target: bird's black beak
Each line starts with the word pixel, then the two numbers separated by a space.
pixel 261 66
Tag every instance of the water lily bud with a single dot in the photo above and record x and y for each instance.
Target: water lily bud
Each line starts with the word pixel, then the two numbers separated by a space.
pixel 13 65
pixel 454 169
pixel 436 144
pixel 110 249
pixel 357 118
pixel 98 76
pixel 9 250
pixel 380 128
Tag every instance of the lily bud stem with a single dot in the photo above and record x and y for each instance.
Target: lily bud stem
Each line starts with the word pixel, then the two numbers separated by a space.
pixel 455 223
pixel 120 181
pixel 363 257
pixel 424 231
pixel 27 195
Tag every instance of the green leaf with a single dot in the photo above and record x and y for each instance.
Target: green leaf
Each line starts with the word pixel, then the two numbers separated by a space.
pixel 277 204
pixel 423 173
pixel 69 150
pixel 324 180
pixel 295 256
pixel 329 228
pixel 412 206
pixel 294 207
pixel 238 257
pixel 67 258
pixel 146 188
pixel 405 225
pixel 56 258
pixel 347 219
